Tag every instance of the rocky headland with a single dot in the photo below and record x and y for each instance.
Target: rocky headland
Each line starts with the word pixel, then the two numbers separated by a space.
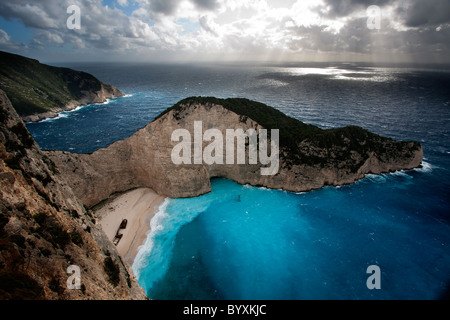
pixel 310 157
pixel 38 91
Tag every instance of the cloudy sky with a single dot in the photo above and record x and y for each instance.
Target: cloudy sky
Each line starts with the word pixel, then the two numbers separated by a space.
pixel 228 30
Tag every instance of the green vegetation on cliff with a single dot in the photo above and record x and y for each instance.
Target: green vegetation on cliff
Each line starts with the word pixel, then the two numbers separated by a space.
pixel 305 143
pixel 36 88
pixel 291 130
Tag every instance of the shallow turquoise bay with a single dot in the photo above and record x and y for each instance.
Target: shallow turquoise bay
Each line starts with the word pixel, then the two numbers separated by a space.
pixel 242 242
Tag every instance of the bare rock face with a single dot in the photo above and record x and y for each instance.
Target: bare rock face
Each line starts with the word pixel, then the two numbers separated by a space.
pixel 319 158
pixel 45 228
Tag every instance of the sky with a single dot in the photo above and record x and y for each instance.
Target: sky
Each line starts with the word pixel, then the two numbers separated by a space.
pixel 395 31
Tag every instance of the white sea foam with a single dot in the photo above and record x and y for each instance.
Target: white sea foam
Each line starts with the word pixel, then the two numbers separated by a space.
pixel 155 226
pixel 402 173
pixel 426 167
pixel 65 114
pixel 381 178
pixel 108 101
pixel 377 178
pixel 153 258
pixel 60 115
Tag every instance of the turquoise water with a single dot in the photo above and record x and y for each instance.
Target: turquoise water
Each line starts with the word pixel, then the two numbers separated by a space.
pixel 274 244
pixel 278 245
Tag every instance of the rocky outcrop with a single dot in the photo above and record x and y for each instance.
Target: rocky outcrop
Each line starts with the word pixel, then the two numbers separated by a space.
pixel 39 91
pixel 86 97
pixel 309 159
pixel 45 228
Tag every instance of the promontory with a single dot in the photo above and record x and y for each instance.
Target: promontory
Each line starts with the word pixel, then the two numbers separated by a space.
pixel 309 157
pixel 38 91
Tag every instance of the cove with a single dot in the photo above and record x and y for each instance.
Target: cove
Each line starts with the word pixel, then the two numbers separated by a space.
pixel 242 242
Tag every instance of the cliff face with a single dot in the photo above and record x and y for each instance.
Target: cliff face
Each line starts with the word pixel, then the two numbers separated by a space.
pixel 44 228
pixel 39 91
pixel 312 159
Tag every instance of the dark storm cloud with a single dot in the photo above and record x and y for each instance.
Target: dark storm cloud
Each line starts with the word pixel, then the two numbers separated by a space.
pixel 163 6
pixel 417 13
pixel 413 13
pixel 205 24
pixel 31 15
pixel 341 8
pixel 313 38
pixel 206 4
pixel 355 37
pixel 169 7
pixel 102 28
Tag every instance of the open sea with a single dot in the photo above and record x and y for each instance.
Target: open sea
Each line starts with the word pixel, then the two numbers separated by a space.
pixel 243 242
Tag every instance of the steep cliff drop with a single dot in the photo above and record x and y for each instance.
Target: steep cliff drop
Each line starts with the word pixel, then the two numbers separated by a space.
pixel 309 157
pixel 46 232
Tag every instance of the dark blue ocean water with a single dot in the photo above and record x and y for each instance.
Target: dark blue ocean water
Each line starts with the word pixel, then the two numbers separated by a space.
pixel 274 244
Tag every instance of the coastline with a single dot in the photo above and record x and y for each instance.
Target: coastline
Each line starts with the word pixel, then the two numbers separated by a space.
pixel 138 206
pixel 70 107
pixel 53 114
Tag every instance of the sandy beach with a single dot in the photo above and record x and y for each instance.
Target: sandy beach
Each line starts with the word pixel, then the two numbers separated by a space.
pixel 138 207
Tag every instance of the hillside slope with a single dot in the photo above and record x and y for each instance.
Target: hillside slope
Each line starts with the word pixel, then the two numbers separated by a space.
pixel 39 91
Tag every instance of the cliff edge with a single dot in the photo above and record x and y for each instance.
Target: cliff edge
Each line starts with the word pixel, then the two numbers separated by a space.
pixel 45 229
pixel 38 91
pixel 309 157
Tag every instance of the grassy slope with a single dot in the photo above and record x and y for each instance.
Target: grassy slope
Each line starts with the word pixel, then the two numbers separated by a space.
pixel 35 88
